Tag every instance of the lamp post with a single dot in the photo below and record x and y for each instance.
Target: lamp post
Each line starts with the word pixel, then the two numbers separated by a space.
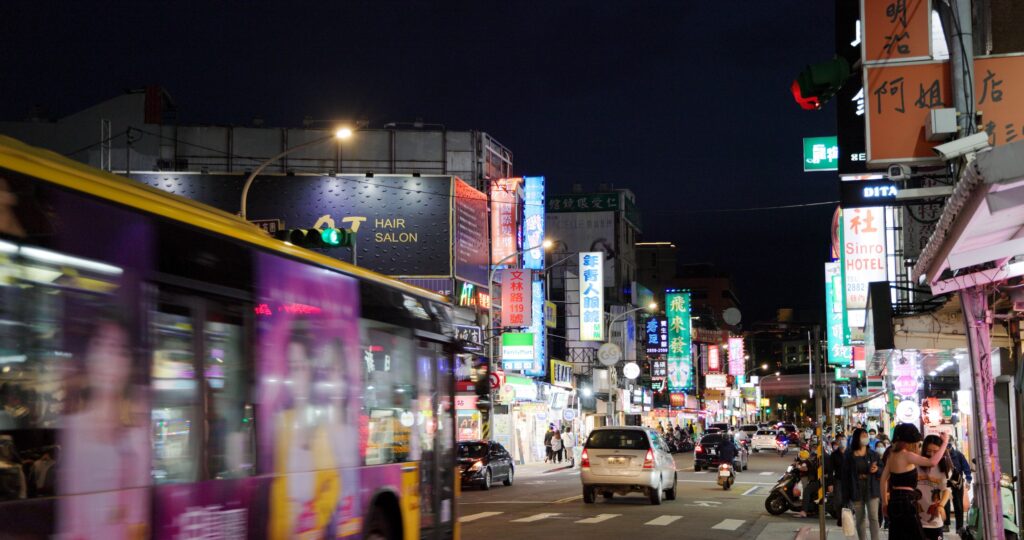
pixel 608 335
pixel 340 134
pixel 762 367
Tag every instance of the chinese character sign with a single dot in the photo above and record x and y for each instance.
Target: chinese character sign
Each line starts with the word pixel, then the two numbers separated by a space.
pixel 680 361
pixel 504 222
pixel 896 30
pixel 714 361
pixel 656 335
pixel 592 296
pixel 821 154
pixel 516 297
pixel 533 222
pixel 862 256
pixel 839 350
pixel 736 362
pixel 539 368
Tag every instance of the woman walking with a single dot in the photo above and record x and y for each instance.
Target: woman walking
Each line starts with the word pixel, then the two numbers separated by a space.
pixel 931 482
pixel 861 474
pixel 556 447
pixel 899 481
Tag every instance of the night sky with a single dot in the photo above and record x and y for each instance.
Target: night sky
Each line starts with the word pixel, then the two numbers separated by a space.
pixel 686 103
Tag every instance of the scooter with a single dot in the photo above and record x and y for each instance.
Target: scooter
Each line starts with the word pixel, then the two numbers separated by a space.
pixel 974 528
pixel 784 497
pixel 726 476
pixel 783 447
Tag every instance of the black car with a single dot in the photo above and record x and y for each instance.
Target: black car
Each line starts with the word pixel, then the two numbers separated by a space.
pixel 483 462
pixel 705 455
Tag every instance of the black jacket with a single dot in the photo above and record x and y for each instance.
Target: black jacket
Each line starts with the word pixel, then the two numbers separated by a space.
pixel 851 487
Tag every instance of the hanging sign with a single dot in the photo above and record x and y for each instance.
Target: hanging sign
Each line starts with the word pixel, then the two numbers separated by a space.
pixel 516 297
pixel 680 361
pixel 839 352
pixel 714 361
pixel 592 296
pixel 905 374
pixel 736 360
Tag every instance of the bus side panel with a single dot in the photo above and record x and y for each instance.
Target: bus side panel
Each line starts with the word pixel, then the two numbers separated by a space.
pixel 212 509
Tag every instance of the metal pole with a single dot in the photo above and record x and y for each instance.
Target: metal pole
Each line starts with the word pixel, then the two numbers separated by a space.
pixel 819 417
pixel 959 28
pixel 252 176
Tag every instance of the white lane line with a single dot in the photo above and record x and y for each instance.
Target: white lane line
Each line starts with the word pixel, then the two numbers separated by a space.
pixel 738 482
pixel 481 515
pixel 599 518
pixel 751 490
pixel 568 499
pixel 661 521
pixel 729 524
pixel 767 473
pixel 536 517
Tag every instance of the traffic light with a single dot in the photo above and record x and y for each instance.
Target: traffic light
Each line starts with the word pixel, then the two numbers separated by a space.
pixel 317 238
pixel 817 84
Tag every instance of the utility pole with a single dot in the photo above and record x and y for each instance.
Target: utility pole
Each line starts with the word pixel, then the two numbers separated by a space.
pixel 819 380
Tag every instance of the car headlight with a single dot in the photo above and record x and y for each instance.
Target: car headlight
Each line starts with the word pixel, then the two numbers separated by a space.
pixel 476 466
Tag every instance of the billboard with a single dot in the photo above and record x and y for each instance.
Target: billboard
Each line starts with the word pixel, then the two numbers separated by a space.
pixel 680 360
pixel 837 333
pixel 504 220
pixel 470 234
pixel 863 258
pixel 585 231
pixel 533 222
pixel 736 360
pixel 592 296
pixel 517 297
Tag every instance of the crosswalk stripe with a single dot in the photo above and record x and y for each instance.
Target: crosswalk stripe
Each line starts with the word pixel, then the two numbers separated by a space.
pixel 752 490
pixel 481 515
pixel 599 518
pixel 767 473
pixel 729 524
pixel 536 517
pixel 662 520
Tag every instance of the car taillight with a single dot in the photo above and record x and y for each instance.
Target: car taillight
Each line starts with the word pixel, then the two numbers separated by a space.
pixel 649 459
pixel 585 460
pixel 699 449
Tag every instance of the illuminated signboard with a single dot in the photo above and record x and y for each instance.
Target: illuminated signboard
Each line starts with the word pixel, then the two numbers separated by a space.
pixel 466 296
pixel 862 193
pixel 821 154
pixel 516 297
pixel 539 367
pixel 714 361
pixel 504 220
pixel 592 296
pixel 863 258
pixel 659 369
pixel 839 351
pixel 680 361
pixel 561 373
pixel 516 351
pixel 656 334
pixel 533 222
pixel 906 375
pixel 736 361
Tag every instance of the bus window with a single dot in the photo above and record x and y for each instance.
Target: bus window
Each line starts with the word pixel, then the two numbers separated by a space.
pixel 175 415
pixel 389 390
pixel 230 434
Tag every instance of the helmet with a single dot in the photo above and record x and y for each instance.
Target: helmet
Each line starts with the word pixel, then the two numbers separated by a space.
pixel 804 455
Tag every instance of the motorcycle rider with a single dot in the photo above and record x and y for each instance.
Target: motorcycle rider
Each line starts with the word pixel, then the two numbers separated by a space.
pixel 727 452
pixel 807 465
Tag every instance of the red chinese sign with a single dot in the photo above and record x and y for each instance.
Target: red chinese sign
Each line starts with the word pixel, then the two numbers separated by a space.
pixel 714 361
pixel 516 297
pixel 504 220
pixel 896 30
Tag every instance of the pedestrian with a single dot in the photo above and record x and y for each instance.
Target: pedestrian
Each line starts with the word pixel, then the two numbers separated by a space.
pixel 547 442
pixel 872 439
pixel 834 473
pixel 569 443
pixel 959 481
pixel 861 475
pixel 933 482
pixel 556 447
pixel 899 481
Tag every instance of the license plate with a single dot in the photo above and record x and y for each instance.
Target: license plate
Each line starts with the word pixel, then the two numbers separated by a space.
pixel 724 472
pixel 711 452
pixel 617 461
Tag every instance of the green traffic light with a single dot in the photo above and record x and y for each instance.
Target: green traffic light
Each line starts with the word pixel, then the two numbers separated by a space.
pixel 331 237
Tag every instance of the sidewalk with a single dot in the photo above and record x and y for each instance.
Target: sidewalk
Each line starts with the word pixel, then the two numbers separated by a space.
pixel 788 531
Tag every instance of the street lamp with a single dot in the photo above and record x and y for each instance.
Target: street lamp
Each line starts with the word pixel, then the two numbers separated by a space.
pixel 546 244
pixel 649 307
pixel 763 367
pixel 339 134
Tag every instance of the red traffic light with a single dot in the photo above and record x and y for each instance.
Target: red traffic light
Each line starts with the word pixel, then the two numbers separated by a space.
pixel 807 103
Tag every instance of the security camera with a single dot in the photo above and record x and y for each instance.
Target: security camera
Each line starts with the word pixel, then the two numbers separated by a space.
pixel 899 171
pixel 963 146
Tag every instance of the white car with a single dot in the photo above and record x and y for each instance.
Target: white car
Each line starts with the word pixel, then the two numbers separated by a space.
pixel 764 439
pixel 626 459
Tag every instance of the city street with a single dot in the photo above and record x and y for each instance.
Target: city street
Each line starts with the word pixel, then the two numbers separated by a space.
pixel 546 502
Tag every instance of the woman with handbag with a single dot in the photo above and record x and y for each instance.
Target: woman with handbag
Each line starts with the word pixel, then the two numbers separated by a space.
pixel 861 490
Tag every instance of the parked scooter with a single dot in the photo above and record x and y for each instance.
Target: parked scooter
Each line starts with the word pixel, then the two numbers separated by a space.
pixel 726 476
pixel 974 528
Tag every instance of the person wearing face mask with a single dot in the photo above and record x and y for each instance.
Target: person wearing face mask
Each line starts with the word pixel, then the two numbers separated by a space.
pixel 861 474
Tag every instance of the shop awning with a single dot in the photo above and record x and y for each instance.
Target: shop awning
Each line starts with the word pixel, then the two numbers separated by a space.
pixel 979 237
pixel 861 400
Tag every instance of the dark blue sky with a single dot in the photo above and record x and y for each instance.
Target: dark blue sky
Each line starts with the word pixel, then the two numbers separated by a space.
pixel 685 103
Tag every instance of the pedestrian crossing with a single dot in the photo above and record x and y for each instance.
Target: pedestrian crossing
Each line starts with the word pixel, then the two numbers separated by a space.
pixel 660 521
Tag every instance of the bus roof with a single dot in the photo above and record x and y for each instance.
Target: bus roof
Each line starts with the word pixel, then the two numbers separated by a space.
pixel 57 169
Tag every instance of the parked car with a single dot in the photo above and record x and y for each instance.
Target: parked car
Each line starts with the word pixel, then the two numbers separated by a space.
pixel 483 462
pixel 764 439
pixel 705 454
pixel 626 459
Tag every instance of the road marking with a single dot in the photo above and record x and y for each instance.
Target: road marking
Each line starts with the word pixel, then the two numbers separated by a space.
pixel 705 504
pixel 767 473
pixel 729 524
pixel 536 517
pixel 599 518
pixel 663 521
pixel 752 490
pixel 481 515
pixel 568 499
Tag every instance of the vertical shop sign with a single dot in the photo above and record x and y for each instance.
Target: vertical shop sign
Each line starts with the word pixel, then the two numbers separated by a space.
pixel 680 361
pixel 592 296
pixel 736 361
pixel 863 258
pixel 533 222
pixel 896 30
pixel 839 351
pixel 906 375
pixel 504 222
pixel 516 297
pixel 714 361
pixel 656 332
pixel 539 367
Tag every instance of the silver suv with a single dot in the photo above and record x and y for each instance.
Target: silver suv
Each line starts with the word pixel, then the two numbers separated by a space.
pixel 626 459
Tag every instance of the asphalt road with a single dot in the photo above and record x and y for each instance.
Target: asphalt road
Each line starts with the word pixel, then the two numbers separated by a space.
pixel 546 502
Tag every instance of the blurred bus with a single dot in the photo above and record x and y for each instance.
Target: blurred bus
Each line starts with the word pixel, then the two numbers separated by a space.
pixel 170 371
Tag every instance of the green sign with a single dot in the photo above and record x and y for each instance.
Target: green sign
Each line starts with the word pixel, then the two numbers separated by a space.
pixel 516 351
pixel 584 202
pixel 680 360
pixel 840 353
pixel 947 407
pixel 821 154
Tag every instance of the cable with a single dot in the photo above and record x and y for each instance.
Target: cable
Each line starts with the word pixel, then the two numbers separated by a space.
pixel 968 81
pixel 104 141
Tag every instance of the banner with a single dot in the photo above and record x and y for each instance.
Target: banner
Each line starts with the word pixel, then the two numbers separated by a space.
pixel 516 297
pixel 680 361
pixel 504 220
pixel 592 296
pixel 533 222
pixel 839 351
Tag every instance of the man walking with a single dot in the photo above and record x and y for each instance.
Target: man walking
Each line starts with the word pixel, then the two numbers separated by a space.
pixel 547 443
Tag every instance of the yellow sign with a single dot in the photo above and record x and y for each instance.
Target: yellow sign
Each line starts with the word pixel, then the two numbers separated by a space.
pixel 561 373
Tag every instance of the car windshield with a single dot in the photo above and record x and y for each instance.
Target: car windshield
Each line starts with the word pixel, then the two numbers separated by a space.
pixel 618 439
pixel 472 450
pixel 749 428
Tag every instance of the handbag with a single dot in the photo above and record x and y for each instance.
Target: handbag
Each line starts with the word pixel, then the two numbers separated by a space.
pixel 849 523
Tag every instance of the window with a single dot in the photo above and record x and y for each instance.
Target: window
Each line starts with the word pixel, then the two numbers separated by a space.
pixel 389 389
pixel 618 439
